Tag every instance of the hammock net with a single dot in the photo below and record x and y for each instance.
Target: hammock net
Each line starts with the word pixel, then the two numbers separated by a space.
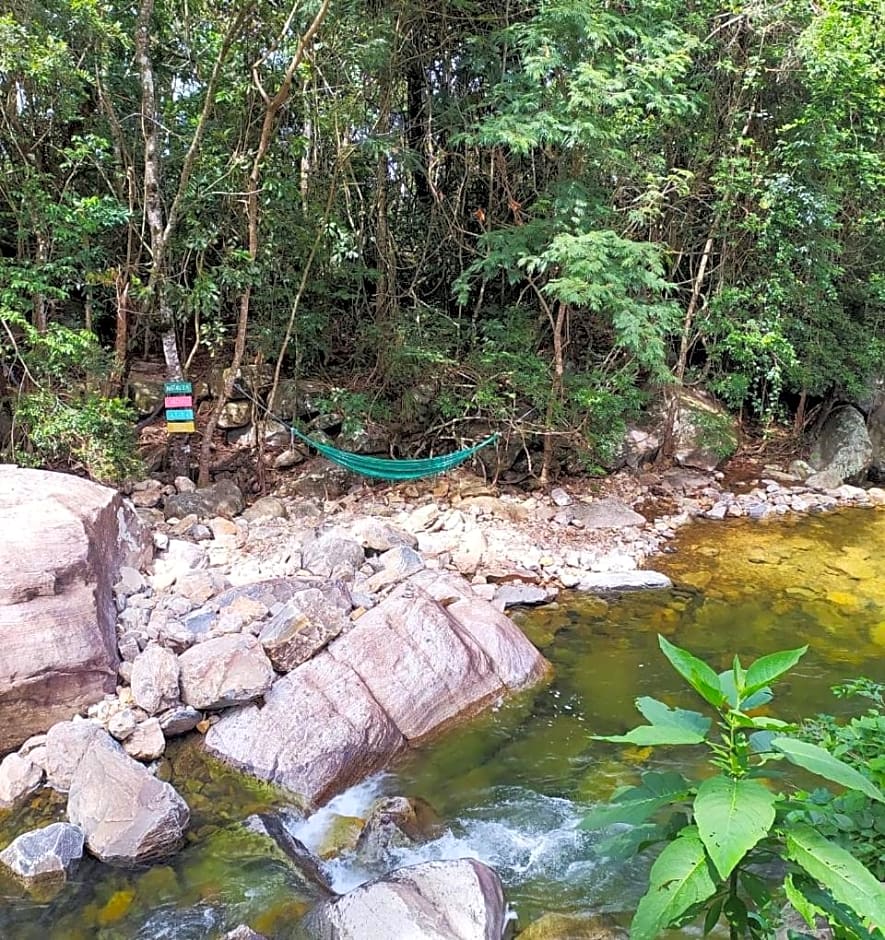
pixel 384 469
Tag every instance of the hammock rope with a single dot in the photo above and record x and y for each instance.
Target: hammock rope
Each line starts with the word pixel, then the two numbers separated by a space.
pixel 382 468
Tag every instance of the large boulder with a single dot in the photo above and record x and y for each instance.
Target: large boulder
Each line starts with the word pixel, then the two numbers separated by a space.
pixel 876 430
pixel 303 626
pixel 843 449
pixel 704 433
pixel 461 899
pixel 64 543
pixel 419 663
pixel 319 731
pixel 129 817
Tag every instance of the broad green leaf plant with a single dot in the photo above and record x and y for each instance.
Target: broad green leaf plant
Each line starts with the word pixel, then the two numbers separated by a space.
pixel 725 831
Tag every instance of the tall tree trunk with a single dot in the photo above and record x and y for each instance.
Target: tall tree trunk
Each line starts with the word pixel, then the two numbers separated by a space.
pixel 271 112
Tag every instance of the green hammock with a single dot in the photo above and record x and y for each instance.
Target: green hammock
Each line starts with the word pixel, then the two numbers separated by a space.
pixel 384 469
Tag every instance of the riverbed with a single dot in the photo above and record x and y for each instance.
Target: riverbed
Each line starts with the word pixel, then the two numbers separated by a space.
pixel 512 786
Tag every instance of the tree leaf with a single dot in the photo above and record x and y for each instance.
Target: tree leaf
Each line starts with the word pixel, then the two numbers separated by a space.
pixel 650 735
pixel 839 872
pixel 732 816
pixel 679 880
pixel 768 668
pixel 814 899
pixel 632 841
pixel 635 804
pixel 660 714
pixel 695 672
pixel 821 762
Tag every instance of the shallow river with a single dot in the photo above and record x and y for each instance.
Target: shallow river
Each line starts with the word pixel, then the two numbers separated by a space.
pixel 513 785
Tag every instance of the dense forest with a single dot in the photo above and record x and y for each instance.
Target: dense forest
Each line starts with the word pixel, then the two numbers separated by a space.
pixel 455 212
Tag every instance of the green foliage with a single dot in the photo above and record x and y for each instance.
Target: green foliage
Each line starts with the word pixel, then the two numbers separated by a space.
pixel 855 819
pixel 723 826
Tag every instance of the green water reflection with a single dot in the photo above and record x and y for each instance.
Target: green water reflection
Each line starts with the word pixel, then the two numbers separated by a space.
pixel 514 782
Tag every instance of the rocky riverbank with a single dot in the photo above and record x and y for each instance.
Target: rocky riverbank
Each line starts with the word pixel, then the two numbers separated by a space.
pixel 312 640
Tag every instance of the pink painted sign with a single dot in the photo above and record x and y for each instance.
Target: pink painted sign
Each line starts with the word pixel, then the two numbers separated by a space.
pixel 179 401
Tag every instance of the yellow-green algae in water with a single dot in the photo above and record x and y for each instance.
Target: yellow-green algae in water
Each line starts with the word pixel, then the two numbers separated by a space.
pixel 739 587
pixel 223 876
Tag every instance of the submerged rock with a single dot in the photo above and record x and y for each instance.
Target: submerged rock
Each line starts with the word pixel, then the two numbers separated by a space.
pixel 448 900
pixel 45 855
pixel 614 581
pixel 573 927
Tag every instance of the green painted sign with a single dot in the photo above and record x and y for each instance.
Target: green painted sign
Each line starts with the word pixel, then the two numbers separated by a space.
pixel 179 388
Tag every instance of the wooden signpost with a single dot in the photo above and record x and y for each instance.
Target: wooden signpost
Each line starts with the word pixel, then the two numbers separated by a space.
pixel 179 407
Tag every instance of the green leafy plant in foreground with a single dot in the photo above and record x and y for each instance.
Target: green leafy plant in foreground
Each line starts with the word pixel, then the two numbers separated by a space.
pixel 726 830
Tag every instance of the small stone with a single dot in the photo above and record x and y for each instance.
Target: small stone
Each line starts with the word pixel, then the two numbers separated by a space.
pixel 122 724
pixel 179 720
pixel 185 484
pixel 155 680
pixel 560 497
pixel 146 742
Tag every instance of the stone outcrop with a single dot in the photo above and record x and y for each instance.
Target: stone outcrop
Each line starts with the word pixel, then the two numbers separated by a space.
pixel 64 542
pixel 44 855
pixel 19 776
pixel 419 663
pixel 223 498
pixel 449 900
pixel 129 817
pixel 704 433
pixel 319 731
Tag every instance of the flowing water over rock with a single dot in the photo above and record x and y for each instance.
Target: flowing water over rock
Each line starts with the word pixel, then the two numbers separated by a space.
pixel 513 785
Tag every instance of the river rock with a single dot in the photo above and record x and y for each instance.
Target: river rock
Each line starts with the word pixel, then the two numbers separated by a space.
pixel 223 498
pixel 332 555
pixel 380 536
pixel 146 742
pixel 396 822
pixel 179 720
pixel 264 509
pixel 154 680
pixel 302 628
pixel 273 826
pixel 606 513
pixel 396 565
pixel 243 932
pixel 515 661
pixel 44 855
pixel 64 543
pixel 573 927
pixel 615 581
pixel 319 731
pixel 19 777
pixel 66 743
pixel 704 433
pixel 135 821
pixel 519 595
pixel 460 899
pixel 225 671
pixel 843 449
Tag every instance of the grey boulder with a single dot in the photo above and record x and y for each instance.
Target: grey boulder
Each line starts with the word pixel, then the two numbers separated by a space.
pixel 460 899
pixel 225 671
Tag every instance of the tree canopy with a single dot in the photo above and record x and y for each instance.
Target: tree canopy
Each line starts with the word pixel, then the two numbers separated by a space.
pixel 500 208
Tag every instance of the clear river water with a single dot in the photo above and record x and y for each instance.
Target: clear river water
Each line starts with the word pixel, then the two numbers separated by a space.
pixel 513 785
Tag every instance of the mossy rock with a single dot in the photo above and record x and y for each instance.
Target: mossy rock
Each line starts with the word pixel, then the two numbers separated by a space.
pixel 573 927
